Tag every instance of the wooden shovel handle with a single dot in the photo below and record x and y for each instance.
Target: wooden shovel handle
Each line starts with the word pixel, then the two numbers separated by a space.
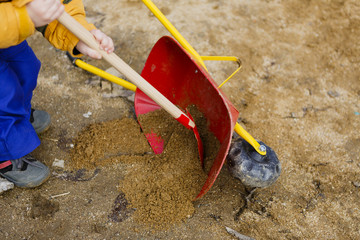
pixel 84 35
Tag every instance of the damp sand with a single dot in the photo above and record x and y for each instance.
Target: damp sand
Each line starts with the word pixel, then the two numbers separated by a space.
pixel 160 188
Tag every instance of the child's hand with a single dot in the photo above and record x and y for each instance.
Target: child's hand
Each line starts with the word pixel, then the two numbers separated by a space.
pixel 106 44
pixel 43 12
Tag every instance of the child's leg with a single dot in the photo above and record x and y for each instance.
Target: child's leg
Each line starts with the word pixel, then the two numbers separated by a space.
pixel 19 69
pixel 26 66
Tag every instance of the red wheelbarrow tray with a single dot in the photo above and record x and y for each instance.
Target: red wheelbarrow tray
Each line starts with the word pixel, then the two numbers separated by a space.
pixel 180 78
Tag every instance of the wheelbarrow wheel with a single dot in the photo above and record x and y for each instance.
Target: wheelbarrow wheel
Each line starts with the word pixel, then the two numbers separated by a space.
pixel 251 168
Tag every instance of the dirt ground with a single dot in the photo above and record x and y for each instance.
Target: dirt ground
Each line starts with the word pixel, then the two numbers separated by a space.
pixel 298 92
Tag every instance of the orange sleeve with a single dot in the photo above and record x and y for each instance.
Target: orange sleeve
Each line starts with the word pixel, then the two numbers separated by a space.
pixel 62 38
pixel 16 24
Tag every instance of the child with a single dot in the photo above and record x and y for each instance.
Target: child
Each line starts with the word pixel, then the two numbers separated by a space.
pixel 19 68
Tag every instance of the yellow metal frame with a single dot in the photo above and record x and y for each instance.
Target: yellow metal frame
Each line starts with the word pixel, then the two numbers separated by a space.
pixel 224 58
pixel 97 71
pixel 158 14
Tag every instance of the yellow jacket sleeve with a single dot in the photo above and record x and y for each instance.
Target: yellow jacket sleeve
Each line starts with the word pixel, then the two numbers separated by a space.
pixel 59 36
pixel 16 24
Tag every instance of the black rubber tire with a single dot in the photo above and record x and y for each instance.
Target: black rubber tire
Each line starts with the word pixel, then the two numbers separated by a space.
pixel 251 168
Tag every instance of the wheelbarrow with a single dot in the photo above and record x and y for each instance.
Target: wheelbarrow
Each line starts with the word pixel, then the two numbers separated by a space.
pixel 178 72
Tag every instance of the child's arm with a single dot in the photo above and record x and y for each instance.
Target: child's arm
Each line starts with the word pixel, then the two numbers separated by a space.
pixel 20 17
pixel 63 39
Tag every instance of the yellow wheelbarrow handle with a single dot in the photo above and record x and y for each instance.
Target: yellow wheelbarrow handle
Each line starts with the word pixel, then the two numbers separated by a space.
pixel 105 75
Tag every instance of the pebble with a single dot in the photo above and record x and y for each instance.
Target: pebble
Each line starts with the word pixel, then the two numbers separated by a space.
pixel 58 163
pixel 333 94
pixel 356 184
pixel 87 115
pixel 131 98
pixel 55 77
pixel 237 234
pixel 94 81
pixel 5 185
pixel 106 86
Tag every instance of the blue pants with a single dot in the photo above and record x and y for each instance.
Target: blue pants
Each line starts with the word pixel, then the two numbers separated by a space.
pixel 19 69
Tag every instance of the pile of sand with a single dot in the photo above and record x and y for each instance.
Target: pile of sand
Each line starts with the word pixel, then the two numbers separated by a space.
pixel 159 187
